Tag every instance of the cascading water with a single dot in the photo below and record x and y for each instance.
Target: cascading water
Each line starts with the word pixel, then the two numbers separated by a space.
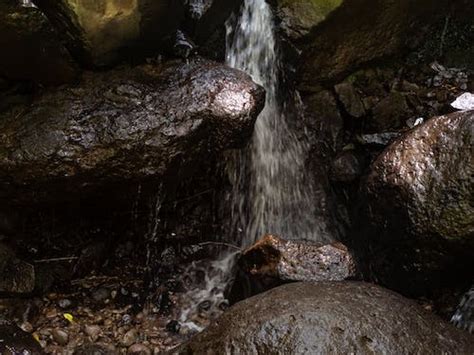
pixel 271 191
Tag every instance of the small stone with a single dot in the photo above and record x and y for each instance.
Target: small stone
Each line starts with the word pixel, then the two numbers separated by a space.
pixel 26 327
pixel 130 337
pixel 139 349
pixel 64 303
pixel 93 331
pixel 351 99
pixel 60 336
pixel 100 295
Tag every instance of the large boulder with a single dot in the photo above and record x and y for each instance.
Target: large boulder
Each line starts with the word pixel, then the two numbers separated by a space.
pixel 125 125
pixel 362 31
pixel 98 32
pixel 419 214
pixel 328 318
pixel 31 50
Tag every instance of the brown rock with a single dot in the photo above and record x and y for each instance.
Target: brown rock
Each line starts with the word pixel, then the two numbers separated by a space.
pixel 297 261
pixel 419 205
pixel 60 336
pixel 361 31
pixel 126 125
pixel 351 99
pixel 139 349
pixel 390 113
pixel 329 318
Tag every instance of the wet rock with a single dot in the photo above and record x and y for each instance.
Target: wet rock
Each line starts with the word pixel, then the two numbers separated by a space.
pixel 15 341
pixel 389 113
pixel 31 50
pixel 130 337
pixel 60 336
pixel 328 318
pixel 464 102
pixel 139 349
pixel 95 349
pixel 378 139
pixel 351 99
pixel 297 260
pixel 346 167
pixel 16 276
pixel 298 18
pixel 419 205
pixel 93 331
pixel 361 31
pixel 125 125
pixel 100 295
pixel 102 32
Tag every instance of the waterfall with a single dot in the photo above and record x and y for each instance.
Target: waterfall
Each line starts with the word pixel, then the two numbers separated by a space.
pixel 271 192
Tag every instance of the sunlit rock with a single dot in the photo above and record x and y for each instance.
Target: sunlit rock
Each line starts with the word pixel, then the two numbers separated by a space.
pixel 99 32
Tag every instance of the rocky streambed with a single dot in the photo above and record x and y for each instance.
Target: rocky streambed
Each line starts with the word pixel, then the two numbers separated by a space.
pixel 119 127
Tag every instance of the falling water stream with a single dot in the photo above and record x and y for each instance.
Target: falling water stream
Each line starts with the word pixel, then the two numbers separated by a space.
pixel 271 193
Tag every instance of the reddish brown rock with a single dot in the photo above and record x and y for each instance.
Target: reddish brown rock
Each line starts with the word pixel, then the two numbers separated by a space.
pixel 298 261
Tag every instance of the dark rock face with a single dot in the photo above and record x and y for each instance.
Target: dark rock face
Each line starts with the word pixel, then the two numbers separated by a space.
pixel 297 261
pixel 16 276
pixel 15 341
pixel 361 31
pixel 420 210
pixel 346 167
pixel 97 32
pixel 204 17
pixel 126 125
pixel 328 318
pixel 31 50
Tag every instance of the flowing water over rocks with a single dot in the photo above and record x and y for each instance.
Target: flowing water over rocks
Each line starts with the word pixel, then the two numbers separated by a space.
pixel 271 191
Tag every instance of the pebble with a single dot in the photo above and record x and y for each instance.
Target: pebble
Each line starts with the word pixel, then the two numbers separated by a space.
pixel 100 295
pixel 139 349
pixel 93 331
pixel 64 303
pixel 130 337
pixel 60 336
pixel 26 327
